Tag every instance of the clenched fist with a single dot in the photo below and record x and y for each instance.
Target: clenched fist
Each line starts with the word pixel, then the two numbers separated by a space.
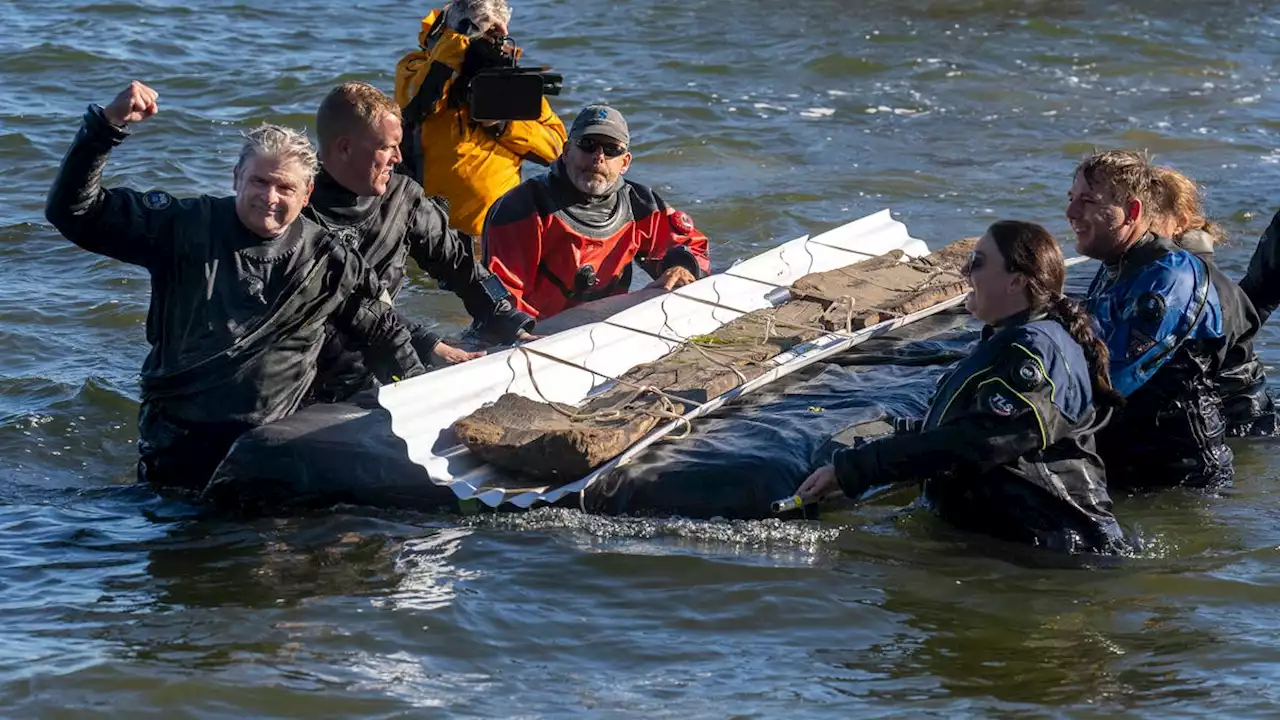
pixel 134 104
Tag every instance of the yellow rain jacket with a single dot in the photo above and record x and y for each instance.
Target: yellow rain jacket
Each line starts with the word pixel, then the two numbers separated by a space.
pixel 467 163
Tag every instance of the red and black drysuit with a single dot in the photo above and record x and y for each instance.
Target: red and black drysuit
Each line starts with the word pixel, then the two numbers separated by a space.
pixel 556 247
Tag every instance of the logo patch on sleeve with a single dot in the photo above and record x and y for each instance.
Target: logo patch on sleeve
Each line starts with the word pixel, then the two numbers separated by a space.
pixel 157 200
pixel 1028 376
pixel 681 222
pixel 1000 405
pixel 1139 343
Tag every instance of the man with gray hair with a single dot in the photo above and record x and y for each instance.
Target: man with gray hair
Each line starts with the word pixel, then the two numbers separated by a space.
pixel 242 288
pixel 573 234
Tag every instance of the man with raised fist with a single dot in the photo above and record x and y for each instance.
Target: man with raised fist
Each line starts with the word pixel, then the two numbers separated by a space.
pixel 241 289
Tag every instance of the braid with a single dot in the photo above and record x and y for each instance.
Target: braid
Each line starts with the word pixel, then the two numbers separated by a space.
pixel 1079 325
pixel 1029 249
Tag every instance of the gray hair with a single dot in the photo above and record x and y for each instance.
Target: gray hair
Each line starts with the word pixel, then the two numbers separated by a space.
pixel 283 143
pixel 481 13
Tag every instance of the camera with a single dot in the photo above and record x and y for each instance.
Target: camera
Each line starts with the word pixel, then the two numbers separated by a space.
pixel 498 88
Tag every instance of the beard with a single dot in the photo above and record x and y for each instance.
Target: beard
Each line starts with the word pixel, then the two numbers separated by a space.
pixel 592 182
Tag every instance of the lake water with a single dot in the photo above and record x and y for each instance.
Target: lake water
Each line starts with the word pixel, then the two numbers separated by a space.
pixel 764 121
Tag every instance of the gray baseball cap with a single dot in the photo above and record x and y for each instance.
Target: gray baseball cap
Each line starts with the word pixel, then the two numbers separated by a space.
pixel 603 121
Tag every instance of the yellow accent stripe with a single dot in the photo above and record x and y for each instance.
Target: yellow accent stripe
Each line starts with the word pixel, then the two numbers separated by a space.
pixel 956 394
pixel 1053 395
pixel 1044 436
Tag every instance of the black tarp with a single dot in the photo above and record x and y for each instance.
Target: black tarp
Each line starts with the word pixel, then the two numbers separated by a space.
pixel 743 456
pixel 322 456
pixel 737 461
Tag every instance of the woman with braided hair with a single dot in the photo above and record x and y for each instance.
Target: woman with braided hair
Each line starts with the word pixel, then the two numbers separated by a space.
pixel 1007 446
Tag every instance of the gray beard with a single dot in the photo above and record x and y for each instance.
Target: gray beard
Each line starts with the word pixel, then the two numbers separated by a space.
pixel 594 187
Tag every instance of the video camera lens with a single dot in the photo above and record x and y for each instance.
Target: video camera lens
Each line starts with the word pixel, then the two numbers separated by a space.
pixel 552 83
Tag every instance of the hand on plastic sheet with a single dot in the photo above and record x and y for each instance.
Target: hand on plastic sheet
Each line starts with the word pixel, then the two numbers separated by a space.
pixel 443 354
pixel 821 483
pixel 673 278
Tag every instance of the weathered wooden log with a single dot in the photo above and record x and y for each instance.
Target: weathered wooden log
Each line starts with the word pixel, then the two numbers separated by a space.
pixel 538 440
pixel 561 442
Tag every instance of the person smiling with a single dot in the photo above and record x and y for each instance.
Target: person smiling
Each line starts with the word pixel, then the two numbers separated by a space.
pixel 570 235
pixel 1171 321
pixel 241 289
pixel 386 217
pixel 1007 445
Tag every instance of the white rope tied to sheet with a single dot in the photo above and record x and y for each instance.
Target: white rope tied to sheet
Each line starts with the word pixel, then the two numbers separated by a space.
pixel 669 402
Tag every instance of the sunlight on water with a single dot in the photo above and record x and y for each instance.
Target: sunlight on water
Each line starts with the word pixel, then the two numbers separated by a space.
pixel 764 123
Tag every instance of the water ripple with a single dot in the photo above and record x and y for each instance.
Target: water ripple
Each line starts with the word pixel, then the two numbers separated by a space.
pixel 764 122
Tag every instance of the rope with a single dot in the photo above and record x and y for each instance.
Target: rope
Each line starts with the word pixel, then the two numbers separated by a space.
pixel 728 366
pixel 688 341
pixel 798 326
pixel 669 402
pixel 933 272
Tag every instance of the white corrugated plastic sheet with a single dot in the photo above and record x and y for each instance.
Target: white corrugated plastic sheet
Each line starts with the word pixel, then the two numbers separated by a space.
pixel 423 409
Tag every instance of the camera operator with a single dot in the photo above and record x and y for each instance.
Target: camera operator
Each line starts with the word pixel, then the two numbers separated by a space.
pixel 468 162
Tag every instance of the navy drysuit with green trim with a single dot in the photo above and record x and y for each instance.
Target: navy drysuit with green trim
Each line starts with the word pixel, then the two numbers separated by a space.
pixel 1007 447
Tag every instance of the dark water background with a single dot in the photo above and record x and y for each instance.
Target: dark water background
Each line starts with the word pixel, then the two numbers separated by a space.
pixel 764 121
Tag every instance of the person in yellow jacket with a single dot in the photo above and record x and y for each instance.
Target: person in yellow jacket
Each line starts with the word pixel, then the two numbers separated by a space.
pixel 469 163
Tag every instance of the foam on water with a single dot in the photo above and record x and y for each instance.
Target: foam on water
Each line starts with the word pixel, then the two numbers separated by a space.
pixel 951 112
pixel 767 541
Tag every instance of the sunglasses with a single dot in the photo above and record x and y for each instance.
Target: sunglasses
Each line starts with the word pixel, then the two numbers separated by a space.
pixel 974 263
pixel 590 145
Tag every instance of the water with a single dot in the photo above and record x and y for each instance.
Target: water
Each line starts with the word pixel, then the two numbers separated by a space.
pixel 764 121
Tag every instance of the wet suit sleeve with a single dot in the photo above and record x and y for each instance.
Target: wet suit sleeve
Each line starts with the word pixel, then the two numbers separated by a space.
pixel 1011 413
pixel 1262 282
pixel 1170 301
pixel 423 340
pixel 673 241
pixel 540 141
pixel 372 326
pixel 446 255
pixel 124 224
pixel 513 248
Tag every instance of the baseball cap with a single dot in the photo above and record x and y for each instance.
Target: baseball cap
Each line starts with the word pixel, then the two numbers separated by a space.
pixel 603 121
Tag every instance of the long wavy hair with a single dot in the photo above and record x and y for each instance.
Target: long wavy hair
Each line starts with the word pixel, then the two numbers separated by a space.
pixel 1180 208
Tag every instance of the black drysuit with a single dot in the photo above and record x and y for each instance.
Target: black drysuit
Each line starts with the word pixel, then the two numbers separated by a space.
pixel 235 321
pixel 386 230
pixel 1007 447
pixel 1262 281
pixel 1247 403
